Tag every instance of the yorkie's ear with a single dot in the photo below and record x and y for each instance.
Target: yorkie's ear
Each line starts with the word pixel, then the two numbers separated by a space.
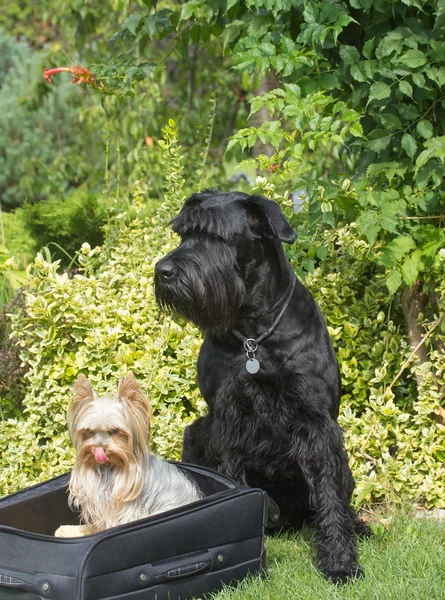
pixel 82 390
pixel 83 394
pixel 130 391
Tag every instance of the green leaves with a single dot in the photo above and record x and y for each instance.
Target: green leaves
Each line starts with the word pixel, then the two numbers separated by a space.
pixel 189 8
pixel 392 254
pixel 356 130
pixel 379 91
pixel 405 256
pixel 379 143
pixel 390 44
pixel 232 32
pixel 270 132
pixel 424 129
pixel 387 169
pixel 392 82
pixel 359 72
pixel 393 281
pixel 317 118
pixel 381 214
pixel 409 144
pixel 413 59
pixel 349 54
pixel 390 121
pixel 131 23
pixel 400 246
pixel 369 225
pixel 406 88
pixel 434 150
pixel 410 268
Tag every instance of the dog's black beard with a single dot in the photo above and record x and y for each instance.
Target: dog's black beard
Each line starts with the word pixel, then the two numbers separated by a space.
pixel 207 293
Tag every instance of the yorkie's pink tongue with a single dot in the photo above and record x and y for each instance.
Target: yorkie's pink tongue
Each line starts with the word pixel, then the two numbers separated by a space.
pixel 100 456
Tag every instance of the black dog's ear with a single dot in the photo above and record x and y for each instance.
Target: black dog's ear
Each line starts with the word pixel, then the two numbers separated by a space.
pixel 275 218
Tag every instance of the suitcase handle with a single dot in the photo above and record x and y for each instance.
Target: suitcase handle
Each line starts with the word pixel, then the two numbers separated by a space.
pixel 177 569
pixel 14 583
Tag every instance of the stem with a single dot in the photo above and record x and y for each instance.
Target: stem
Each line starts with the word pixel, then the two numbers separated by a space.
pixel 118 170
pixel 229 127
pixel 72 258
pixel 432 217
pixel 209 138
pixel 1 225
pixel 192 77
pixel 172 49
pixel 371 431
pixel 107 149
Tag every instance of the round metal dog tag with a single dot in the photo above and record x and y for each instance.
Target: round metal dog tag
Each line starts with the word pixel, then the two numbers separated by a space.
pixel 252 366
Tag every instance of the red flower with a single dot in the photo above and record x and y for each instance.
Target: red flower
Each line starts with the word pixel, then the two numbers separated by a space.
pixel 81 74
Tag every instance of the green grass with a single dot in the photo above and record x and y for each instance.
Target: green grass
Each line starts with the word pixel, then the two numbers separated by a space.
pixel 405 561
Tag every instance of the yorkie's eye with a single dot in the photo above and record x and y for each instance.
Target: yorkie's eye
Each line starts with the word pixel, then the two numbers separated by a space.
pixel 113 432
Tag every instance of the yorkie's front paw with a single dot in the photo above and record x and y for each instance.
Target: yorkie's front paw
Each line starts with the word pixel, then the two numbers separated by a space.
pixel 69 531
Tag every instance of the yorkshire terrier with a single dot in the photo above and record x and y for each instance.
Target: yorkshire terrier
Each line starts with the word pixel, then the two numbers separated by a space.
pixel 115 479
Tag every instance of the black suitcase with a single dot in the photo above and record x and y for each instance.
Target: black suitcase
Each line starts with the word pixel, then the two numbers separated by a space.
pixel 179 554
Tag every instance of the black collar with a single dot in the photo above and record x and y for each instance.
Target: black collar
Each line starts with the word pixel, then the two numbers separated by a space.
pixel 251 344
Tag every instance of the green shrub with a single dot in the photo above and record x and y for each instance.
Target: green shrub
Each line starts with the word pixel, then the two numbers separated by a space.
pixel 60 222
pixel 104 322
pixel 17 237
pixel 101 325
pixel 395 437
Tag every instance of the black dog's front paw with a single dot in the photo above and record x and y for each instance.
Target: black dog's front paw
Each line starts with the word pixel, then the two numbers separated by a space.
pixel 273 512
pixel 343 577
pixel 362 529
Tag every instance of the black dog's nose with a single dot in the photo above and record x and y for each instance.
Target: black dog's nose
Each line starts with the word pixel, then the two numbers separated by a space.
pixel 165 269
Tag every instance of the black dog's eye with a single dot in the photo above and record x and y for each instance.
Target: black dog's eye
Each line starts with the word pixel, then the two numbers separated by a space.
pixel 113 432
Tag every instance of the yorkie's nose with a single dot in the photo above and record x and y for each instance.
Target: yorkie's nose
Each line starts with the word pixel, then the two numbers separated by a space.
pixel 101 439
pixel 165 269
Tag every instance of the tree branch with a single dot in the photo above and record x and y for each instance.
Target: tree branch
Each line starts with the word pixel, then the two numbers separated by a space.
pixel 413 353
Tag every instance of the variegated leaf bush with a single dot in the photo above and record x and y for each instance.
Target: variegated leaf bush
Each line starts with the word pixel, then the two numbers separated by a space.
pixel 104 321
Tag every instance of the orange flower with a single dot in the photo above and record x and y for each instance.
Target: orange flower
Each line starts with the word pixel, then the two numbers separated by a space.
pixel 81 74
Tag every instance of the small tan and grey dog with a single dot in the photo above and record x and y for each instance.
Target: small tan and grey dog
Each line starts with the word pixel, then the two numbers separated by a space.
pixel 115 479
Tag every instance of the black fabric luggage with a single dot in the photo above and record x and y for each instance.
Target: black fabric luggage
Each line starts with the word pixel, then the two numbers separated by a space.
pixel 179 554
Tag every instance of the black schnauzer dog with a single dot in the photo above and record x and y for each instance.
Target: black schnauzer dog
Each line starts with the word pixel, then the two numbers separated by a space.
pixel 266 369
